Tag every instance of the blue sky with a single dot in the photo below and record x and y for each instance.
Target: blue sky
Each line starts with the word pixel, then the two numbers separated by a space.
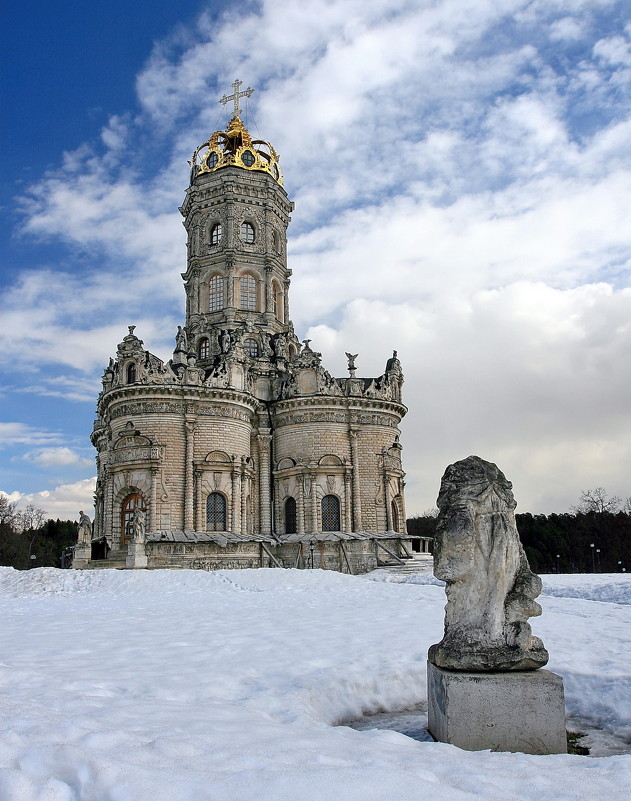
pixel 462 179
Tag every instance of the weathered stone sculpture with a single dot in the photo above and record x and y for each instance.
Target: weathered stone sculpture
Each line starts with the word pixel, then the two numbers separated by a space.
pixel 490 587
pixel 138 527
pixel 84 534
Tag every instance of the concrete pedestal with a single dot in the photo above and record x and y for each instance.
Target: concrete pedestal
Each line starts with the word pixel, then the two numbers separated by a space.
pixel 81 556
pixel 520 711
pixel 136 556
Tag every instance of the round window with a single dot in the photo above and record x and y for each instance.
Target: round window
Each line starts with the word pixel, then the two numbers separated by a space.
pixel 247 158
pixel 211 160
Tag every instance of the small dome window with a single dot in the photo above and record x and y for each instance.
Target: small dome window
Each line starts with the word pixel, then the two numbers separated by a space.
pixel 211 160
pixel 248 292
pixel 215 293
pixel 215 234
pixel 247 232
pixel 247 158
pixel 251 348
pixel 203 349
pixel 131 373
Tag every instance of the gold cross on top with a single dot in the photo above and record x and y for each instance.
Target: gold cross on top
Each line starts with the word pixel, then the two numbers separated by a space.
pixel 235 96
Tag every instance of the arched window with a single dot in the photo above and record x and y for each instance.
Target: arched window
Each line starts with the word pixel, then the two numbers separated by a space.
pixel 276 241
pixel 331 513
pixel 250 347
pixel 128 507
pixel 247 232
pixel 203 349
pixel 290 516
pixel 216 512
pixel 215 234
pixel 248 292
pixel 395 515
pixel 215 293
pixel 131 373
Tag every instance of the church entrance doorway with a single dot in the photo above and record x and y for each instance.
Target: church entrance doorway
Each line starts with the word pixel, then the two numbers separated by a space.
pixel 130 504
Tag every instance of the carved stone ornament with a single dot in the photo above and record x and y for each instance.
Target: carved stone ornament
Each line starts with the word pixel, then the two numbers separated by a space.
pixel 490 587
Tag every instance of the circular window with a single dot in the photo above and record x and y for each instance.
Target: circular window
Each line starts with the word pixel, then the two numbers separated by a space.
pixel 211 160
pixel 247 232
pixel 247 158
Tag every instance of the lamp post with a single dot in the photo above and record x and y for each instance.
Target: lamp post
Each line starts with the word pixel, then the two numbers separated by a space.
pixel 558 557
pixel 591 545
pixel 598 558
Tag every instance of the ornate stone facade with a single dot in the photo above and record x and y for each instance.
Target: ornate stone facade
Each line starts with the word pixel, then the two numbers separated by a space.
pixel 242 449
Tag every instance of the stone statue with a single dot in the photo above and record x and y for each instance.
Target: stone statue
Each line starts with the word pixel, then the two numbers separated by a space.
pixel 181 341
pixel 138 527
pixel 280 346
pixel 225 341
pixel 266 349
pixel 490 587
pixel 351 361
pixel 84 535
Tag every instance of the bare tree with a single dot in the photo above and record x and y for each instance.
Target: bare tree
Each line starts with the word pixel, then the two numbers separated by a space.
pixel 8 512
pixel 598 501
pixel 626 506
pixel 31 518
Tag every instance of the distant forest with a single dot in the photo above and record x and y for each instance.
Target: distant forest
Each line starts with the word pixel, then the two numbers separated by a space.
pixel 595 537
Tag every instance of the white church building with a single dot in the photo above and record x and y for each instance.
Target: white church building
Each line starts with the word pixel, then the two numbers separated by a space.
pixel 242 450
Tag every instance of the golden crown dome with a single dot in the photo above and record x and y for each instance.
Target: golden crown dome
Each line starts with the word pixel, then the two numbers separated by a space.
pixel 234 147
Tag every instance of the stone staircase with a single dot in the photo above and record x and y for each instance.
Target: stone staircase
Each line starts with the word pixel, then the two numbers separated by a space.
pixel 115 559
pixel 420 563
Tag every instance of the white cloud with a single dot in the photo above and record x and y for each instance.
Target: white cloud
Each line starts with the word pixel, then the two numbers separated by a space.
pixel 615 50
pixel 62 502
pixel 24 434
pixel 462 176
pixel 48 457
pixel 567 28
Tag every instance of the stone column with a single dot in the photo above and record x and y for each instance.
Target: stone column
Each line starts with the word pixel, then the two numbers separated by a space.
pixel 245 489
pixel 109 511
pixel 189 488
pixel 300 505
pixel 348 517
pixel 236 500
pixel 230 283
pixel 357 513
pixel 268 307
pixel 264 439
pixel 314 502
pixel 152 521
pixel 403 524
pixel 200 522
pixel 386 495
pixel 286 302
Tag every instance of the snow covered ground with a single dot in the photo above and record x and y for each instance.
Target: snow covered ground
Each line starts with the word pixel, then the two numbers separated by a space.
pixel 193 686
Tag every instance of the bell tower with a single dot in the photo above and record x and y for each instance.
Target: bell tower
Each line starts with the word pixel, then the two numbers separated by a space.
pixel 236 214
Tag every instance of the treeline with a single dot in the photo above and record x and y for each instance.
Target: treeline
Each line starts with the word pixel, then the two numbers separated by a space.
pixel 28 540
pixel 573 542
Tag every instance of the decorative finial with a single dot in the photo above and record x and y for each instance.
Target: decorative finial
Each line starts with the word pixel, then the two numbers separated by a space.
pixel 306 342
pixel 351 361
pixel 236 96
pixel 131 330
